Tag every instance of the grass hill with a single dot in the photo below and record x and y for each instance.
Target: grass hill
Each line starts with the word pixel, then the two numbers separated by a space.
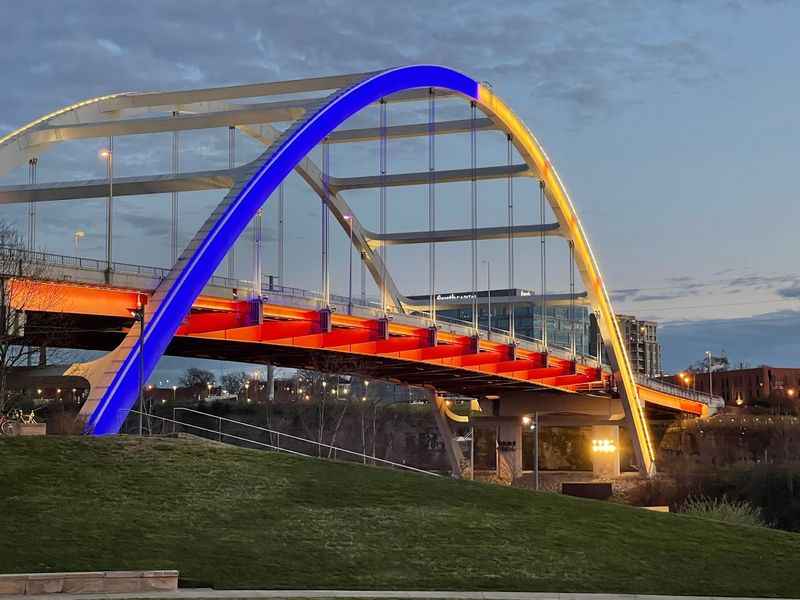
pixel 229 517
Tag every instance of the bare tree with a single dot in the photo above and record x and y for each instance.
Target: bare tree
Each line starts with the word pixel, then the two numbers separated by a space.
pixel 321 384
pixel 21 339
pixel 197 380
pixel 234 382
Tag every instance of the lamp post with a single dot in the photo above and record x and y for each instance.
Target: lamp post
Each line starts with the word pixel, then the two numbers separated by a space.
pixel 174 389
pixel 138 315
pixel 77 238
pixel 108 155
pixel 349 219
pixel 708 357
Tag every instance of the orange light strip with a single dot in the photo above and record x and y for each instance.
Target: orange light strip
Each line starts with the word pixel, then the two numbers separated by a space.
pixel 559 200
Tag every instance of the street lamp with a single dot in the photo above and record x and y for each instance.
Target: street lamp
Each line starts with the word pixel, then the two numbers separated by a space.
pixel 349 219
pixel 77 237
pixel 108 155
pixel 138 315
pixel 708 356
pixel 174 389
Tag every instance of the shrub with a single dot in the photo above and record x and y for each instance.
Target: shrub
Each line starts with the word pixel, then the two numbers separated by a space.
pixel 724 509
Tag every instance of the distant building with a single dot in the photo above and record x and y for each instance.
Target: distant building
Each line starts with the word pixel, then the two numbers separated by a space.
pixel 642 345
pixel 764 385
pixel 457 307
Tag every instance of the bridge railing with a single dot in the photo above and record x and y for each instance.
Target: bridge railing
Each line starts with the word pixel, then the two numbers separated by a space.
pixel 15 253
pixel 78 262
pixel 668 388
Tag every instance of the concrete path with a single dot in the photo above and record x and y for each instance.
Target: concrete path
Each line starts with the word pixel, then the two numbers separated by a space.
pixel 210 594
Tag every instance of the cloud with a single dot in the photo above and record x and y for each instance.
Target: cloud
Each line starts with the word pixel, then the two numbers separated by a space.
pixel 109 46
pixel 769 338
pixel 651 297
pixel 623 295
pixel 789 292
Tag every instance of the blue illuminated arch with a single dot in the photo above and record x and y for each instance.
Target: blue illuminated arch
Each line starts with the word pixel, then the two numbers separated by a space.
pixel 188 283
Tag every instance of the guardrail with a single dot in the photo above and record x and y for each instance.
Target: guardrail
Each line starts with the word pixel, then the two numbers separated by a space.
pixel 295 292
pixel 221 436
pixel 668 388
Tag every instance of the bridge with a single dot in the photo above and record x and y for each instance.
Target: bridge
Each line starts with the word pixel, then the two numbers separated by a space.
pixel 187 310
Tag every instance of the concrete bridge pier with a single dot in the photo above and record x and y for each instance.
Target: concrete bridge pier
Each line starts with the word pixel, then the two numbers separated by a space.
pixel 509 448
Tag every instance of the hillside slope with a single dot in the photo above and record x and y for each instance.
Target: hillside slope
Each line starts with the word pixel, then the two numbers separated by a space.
pixel 228 517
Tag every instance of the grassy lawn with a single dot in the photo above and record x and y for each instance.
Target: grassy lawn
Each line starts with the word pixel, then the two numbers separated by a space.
pixel 228 517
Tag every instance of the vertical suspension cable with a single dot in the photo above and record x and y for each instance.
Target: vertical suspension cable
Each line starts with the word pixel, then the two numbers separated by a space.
pixel 32 163
pixel 110 205
pixel 363 278
pixel 326 177
pixel 257 230
pixel 231 165
pixel 584 331
pixel 281 234
pixel 543 264
pixel 509 158
pixel 473 157
pixel 384 159
pixel 432 203
pixel 572 341
pixel 174 206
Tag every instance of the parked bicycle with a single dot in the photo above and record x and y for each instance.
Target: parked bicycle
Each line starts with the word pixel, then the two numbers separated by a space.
pixel 21 416
pixel 10 422
pixel 8 426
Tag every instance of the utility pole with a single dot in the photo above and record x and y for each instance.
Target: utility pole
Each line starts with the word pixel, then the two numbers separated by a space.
pixel 536 450
pixel 138 315
pixel 108 155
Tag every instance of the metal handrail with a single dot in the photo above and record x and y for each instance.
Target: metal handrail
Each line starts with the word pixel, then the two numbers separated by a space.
pixel 337 449
pixel 696 395
pixel 217 432
pixel 222 281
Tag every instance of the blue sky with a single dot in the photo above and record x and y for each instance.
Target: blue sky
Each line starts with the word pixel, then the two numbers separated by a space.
pixel 674 126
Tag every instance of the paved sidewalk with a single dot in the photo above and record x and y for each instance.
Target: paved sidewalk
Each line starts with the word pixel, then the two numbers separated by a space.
pixel 210 594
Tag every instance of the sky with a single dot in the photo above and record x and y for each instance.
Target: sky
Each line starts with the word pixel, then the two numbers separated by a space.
pixel 674 126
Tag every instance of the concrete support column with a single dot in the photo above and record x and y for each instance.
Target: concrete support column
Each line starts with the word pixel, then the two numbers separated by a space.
pixel 270 383
pixel 605 451
pixel 509 449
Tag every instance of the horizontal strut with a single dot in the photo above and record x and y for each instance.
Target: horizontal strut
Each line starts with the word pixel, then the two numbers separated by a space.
pixel 423 177
pixel 460 235
pixel 123 186
pixel 369 134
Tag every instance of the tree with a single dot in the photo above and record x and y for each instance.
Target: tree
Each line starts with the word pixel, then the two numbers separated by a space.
pixel 196 379
pixel 234 382
pixel 30 315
